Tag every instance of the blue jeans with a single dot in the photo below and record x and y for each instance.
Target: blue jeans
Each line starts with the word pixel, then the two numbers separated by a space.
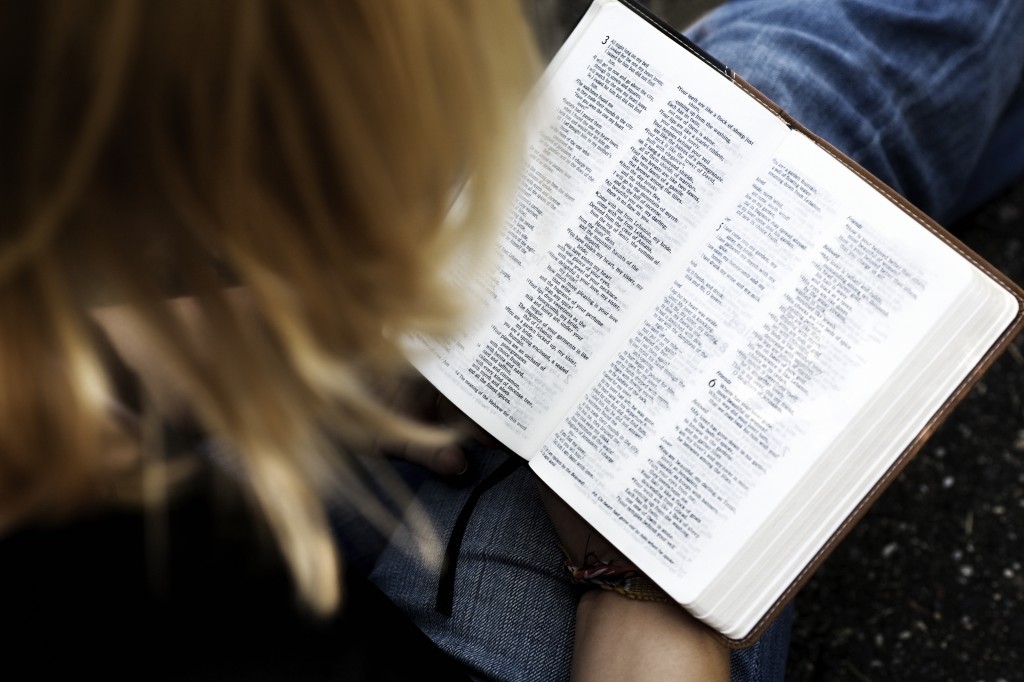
pixel 927 95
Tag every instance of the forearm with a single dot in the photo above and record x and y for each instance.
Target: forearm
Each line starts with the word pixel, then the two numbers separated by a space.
pixel 623 639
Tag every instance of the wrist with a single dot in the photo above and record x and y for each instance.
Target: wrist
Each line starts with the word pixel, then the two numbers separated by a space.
pixel 620 638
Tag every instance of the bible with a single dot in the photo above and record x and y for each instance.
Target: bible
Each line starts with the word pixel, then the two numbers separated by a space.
pixel 711 333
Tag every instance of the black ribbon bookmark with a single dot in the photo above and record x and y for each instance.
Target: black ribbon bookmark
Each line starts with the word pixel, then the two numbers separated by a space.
pixel 446 582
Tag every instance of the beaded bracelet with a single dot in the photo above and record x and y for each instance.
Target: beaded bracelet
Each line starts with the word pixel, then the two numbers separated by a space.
pixel 623 578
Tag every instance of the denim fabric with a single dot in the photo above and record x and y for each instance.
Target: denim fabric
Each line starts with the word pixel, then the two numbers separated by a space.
pixel 1002 161
pixel 920 92
pixel 514 610
pixel 927 95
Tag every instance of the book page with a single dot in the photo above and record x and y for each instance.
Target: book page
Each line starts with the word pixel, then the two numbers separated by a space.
pixel 784 539
pixel 788 317
pixel 789 537
pixel 626 164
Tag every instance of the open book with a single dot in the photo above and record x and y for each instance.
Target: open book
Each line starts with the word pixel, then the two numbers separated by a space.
pixel 713 335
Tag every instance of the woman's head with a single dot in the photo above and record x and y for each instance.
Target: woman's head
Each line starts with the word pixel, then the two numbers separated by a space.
pixel 304 154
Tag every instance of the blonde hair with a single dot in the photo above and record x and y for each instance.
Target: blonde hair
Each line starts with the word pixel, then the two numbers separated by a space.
pixel 305 151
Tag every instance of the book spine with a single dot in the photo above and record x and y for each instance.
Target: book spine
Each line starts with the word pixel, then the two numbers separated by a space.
pixel 678 37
